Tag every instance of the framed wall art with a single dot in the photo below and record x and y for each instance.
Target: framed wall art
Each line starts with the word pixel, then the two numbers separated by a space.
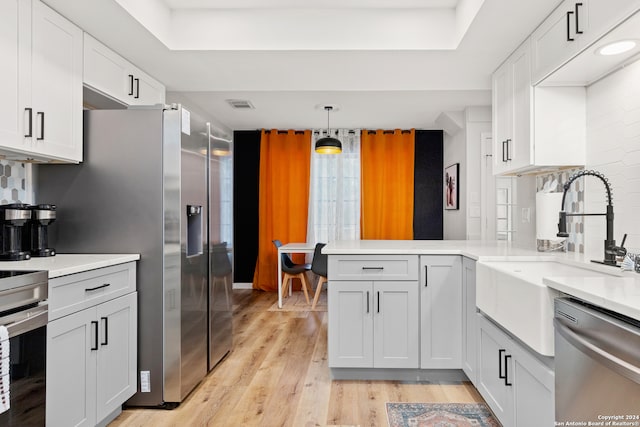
pixel 451 186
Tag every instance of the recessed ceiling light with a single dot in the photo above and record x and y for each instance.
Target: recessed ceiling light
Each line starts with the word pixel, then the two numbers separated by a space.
pixel 616 48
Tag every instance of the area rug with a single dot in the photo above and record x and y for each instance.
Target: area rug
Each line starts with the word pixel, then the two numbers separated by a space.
pixel 297 302
pixel 440 415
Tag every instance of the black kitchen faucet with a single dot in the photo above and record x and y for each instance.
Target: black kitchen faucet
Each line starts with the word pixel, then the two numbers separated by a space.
pixel 611 251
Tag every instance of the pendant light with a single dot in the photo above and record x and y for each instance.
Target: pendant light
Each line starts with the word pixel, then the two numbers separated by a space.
pixel 328 144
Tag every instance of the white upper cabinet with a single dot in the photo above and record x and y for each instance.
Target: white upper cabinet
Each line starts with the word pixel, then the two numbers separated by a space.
pixel 110 74
pixel 512 96
pixel 42 79
pixel 9 72
pixel 572 27
pixel 534 127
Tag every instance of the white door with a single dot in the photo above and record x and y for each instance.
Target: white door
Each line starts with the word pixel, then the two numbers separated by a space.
pixel 350 324
pixel 493 368
pixel 469 319
pixel 395 324
pixel 9 72
pixel 117 354
pixel 71 370
pixel 441 311
pixel 488 189
pixel 57 84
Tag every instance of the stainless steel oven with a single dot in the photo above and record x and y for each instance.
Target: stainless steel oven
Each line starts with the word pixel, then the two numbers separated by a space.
pixel 23 311
pixel 597 364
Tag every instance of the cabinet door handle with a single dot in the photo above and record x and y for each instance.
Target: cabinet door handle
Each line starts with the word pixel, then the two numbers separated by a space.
pixel 378 301
pixel 578 30
pixel 508 151
pixel 500 353
pixel 106 331
pixel 426 276
pixel 137 89
pixel 30 126
pixel 569 38
pixel 367 301
pixel 506 371
pixel 41 114
pixel 97 287
pixel 130 84
pixel 504 151
pixel 373 268
pixel 95 324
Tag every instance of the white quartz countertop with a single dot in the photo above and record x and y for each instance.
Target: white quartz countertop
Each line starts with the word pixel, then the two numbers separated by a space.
pixel 618 291
pixel 619 294
pixel 63 264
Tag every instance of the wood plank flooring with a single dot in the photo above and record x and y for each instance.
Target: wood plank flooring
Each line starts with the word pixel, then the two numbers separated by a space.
pixel 277 375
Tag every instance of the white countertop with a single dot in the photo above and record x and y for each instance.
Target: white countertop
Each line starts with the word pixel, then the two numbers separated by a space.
pixel 474 249
pixel 63 264
pixel 619 294
pixel 618 291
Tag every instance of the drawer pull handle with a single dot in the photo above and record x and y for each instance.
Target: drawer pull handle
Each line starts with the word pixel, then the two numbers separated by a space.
pixel 106 331
pixel 569 38
pixel 426 276
pixel 578 30
pixel 30 111
pixel 506 372
pixel 373 268
pixel 95 323
pixel 500 374
pixel 97 287
pixel 367 301
pixel 41 137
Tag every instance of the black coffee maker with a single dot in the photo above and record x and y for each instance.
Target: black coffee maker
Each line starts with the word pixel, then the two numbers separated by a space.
pixel 13 219
pixel 36 234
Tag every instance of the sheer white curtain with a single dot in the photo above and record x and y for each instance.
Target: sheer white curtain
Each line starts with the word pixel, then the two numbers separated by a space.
pixel 334 196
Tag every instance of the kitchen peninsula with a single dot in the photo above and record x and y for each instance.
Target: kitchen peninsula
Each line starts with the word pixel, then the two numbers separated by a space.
pixel 431 310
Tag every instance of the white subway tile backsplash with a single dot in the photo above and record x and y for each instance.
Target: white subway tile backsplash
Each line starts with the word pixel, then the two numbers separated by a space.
pixel 613 148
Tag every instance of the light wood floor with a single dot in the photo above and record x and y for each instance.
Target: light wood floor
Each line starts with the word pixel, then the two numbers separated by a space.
pixel 277 375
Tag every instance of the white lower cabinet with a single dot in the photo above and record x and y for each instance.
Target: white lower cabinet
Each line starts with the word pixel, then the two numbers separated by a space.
pixel 373 324
pixel 469 319
pixel 91 353
pixel 440 311
pixel 517 386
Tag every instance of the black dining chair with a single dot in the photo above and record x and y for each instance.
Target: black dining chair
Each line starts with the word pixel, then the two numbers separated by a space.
pixel 319 267
pixel 291 271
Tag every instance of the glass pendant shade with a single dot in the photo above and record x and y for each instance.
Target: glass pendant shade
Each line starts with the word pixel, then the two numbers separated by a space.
pixel 328 144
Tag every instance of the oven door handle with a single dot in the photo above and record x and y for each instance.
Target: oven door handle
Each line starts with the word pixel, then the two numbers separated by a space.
pixel 28 323
pixel 607 359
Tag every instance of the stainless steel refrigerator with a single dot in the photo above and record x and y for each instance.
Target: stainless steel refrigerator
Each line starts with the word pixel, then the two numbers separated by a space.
pixel 154 181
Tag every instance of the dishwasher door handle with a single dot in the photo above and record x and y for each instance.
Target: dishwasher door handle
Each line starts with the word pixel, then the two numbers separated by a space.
pixel 607 359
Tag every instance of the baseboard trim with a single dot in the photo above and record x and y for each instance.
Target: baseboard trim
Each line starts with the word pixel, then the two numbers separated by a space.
pixel 241 285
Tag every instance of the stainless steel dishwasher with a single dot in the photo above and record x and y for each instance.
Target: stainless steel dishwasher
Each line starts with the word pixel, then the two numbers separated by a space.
pixel 597 364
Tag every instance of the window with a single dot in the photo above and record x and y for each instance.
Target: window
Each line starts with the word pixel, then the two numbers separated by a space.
pixel 334 196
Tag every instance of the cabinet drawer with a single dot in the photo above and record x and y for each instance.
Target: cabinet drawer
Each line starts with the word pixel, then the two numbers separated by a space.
pixel 373 267
pixel 75 292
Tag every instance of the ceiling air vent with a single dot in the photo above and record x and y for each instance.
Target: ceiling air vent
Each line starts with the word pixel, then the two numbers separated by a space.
pixel 240 104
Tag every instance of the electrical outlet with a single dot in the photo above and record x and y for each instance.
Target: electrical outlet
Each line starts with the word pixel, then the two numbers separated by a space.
pixel 145 382
pixel 526 215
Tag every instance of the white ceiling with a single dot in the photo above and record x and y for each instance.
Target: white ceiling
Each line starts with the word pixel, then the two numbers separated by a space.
pixel 386 63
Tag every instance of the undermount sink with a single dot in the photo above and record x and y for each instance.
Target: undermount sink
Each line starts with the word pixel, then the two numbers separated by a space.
pixel 513 294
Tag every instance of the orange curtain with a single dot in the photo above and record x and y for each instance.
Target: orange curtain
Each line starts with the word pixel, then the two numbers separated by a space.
pixel 285 164
pixel 387 162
